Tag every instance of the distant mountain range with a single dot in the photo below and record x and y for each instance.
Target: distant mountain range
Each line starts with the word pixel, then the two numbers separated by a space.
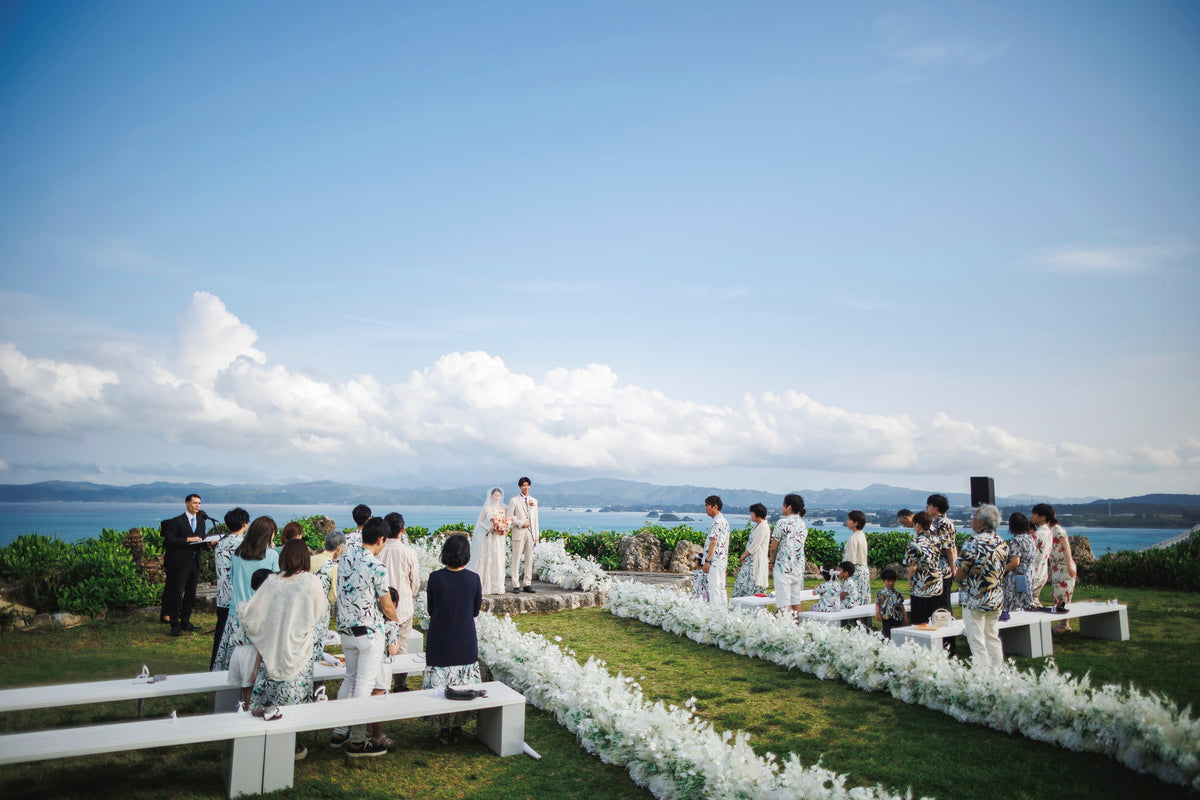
pixel 596 492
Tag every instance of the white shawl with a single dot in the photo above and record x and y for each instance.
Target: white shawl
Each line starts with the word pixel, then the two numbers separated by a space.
pixel 280 619
pixel 756 546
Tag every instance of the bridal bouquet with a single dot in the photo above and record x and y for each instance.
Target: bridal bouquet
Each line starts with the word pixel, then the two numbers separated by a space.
pixel 500 523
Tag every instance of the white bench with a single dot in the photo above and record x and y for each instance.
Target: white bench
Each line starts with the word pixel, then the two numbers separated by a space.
pixel 1027 633
pixel 260 754
pixel 864 611
pixel 754 601
pixel 227 695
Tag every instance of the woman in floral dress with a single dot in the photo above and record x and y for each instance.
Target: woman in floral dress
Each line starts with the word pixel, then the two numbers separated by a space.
pixel 755 570
pixel 1022 561
pixel 454 595
pixel 1062 562
pixel 286 620
pixel 856 553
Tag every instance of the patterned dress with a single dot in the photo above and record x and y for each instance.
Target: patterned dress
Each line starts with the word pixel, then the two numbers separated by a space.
pixel 828 596
pixel 438 677
pixel 1024 547
pixel 700 586
pixel 1063 585
pixel 234 636
pixel 856 553
pixel 744 583
pixel 223 560
pixel 294 692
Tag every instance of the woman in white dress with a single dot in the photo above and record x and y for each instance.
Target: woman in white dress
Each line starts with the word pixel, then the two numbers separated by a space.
pixel 754 572
pixel 487 543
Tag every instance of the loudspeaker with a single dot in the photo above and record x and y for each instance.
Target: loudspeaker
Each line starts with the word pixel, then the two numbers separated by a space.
pixel 983 490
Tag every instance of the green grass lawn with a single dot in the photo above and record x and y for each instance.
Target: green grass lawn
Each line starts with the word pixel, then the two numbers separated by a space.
pixel 869 736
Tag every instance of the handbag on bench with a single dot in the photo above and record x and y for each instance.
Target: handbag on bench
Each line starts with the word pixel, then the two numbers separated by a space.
pixel 464 694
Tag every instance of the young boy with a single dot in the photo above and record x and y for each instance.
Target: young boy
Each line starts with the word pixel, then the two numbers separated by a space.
pixel 889 605
pixel 849 591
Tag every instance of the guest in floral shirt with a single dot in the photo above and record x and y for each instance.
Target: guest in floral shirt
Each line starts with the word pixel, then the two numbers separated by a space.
pixel 716 551
pixel 980 573
pixel 363 601
pixel 889 605
pixel 787 554
pixel 237 521
pixel 829 593
pixel 923 559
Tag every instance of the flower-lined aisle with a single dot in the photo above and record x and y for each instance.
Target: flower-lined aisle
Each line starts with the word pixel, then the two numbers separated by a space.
pixel 553 564
pixel 666 749
pixel 1146 733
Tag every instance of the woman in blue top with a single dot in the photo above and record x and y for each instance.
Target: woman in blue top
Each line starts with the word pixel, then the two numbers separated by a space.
pixel 454 596
pixel 254 553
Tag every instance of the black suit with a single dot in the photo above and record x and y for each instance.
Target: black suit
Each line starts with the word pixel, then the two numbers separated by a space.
pixel 181 562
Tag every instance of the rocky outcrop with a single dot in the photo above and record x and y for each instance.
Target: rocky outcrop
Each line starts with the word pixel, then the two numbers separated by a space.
pixel 1085 559
pixel 682 559
pixel 640 553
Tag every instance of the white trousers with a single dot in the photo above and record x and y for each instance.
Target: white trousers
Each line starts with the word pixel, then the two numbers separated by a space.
pixel 522 545
pixel 983 635
pixel 364 654
pixel 716 583
pixel 787 589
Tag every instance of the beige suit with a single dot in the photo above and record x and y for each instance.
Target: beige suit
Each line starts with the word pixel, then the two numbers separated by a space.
pixel 525 534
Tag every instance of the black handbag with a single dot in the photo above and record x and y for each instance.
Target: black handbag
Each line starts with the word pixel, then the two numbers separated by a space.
pixel 464 694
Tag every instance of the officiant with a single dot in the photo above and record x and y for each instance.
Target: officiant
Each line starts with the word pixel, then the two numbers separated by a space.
pixel 183 539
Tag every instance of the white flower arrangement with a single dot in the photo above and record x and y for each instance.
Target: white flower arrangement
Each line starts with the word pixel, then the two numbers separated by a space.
pixel 553 564
pixel 666 748
pixel 1144 732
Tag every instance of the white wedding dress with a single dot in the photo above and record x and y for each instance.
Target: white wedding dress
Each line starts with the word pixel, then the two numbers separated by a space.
pixel 487 548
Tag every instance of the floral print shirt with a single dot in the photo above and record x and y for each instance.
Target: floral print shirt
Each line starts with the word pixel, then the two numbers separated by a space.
pixel 925 553
pixel 719 532
pixel 942 530
pixel 362 580
pixel 791 533
pixel 891 605
pixel 325 575
pixel 223 556
pixel 983 557
pixel 353 539
pixel 828 598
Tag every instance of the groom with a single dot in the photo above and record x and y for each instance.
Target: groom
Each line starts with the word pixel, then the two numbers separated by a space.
pixel 523 512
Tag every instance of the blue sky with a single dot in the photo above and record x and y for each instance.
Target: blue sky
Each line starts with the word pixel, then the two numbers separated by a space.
pixel 785 245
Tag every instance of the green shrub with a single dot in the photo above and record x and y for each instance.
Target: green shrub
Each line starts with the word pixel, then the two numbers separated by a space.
pixel 101 575
pixel 821 547
pixel 1174 567
pixel 455 527
pixel 314 537
pixel 887 547
pixel 415 532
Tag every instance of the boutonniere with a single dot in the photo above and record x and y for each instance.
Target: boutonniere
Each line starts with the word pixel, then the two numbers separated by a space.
pixel 532 502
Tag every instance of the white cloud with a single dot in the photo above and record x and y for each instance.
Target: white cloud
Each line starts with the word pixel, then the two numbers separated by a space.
pixel 1102 260
pixel 914 54
pixel 471 411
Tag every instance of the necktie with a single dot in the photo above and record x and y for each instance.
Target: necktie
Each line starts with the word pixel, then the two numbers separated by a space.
pixel 193 521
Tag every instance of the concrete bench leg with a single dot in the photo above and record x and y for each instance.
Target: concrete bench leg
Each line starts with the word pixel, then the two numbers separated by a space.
pixel 503 729
pixel 1114 626
pixel 226 700
pixel 279 762
pixel 244 766
pixel 1024 640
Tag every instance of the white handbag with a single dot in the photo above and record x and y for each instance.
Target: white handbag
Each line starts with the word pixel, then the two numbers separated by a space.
pixel 940 619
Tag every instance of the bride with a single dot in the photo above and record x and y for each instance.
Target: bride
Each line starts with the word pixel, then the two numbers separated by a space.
pixel 487 543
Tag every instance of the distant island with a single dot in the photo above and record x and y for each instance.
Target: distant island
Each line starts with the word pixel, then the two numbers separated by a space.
pixel 878 501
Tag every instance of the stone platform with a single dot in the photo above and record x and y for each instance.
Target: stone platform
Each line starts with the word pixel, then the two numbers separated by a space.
pixel 548 597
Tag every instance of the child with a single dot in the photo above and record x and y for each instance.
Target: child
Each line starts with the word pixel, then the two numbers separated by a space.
pixel 829 593
pixel 889 605
pixel 849 593
pixel 699 580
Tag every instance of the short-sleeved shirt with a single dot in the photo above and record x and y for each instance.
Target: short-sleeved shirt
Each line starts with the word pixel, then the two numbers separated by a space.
pixel 925 553
pixel 791 533
pixel 326 574
pixel 942 530
pixel 353 539
pixel 223 557
pixel 361 580
pixel 891 604
pixel 719 532
pixel 983 557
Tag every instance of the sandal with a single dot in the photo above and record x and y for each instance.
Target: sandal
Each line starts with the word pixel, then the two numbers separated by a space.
pixel 385 742
pixel 1060 629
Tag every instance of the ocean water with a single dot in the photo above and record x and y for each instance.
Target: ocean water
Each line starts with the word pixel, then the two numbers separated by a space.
pixel 74 521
